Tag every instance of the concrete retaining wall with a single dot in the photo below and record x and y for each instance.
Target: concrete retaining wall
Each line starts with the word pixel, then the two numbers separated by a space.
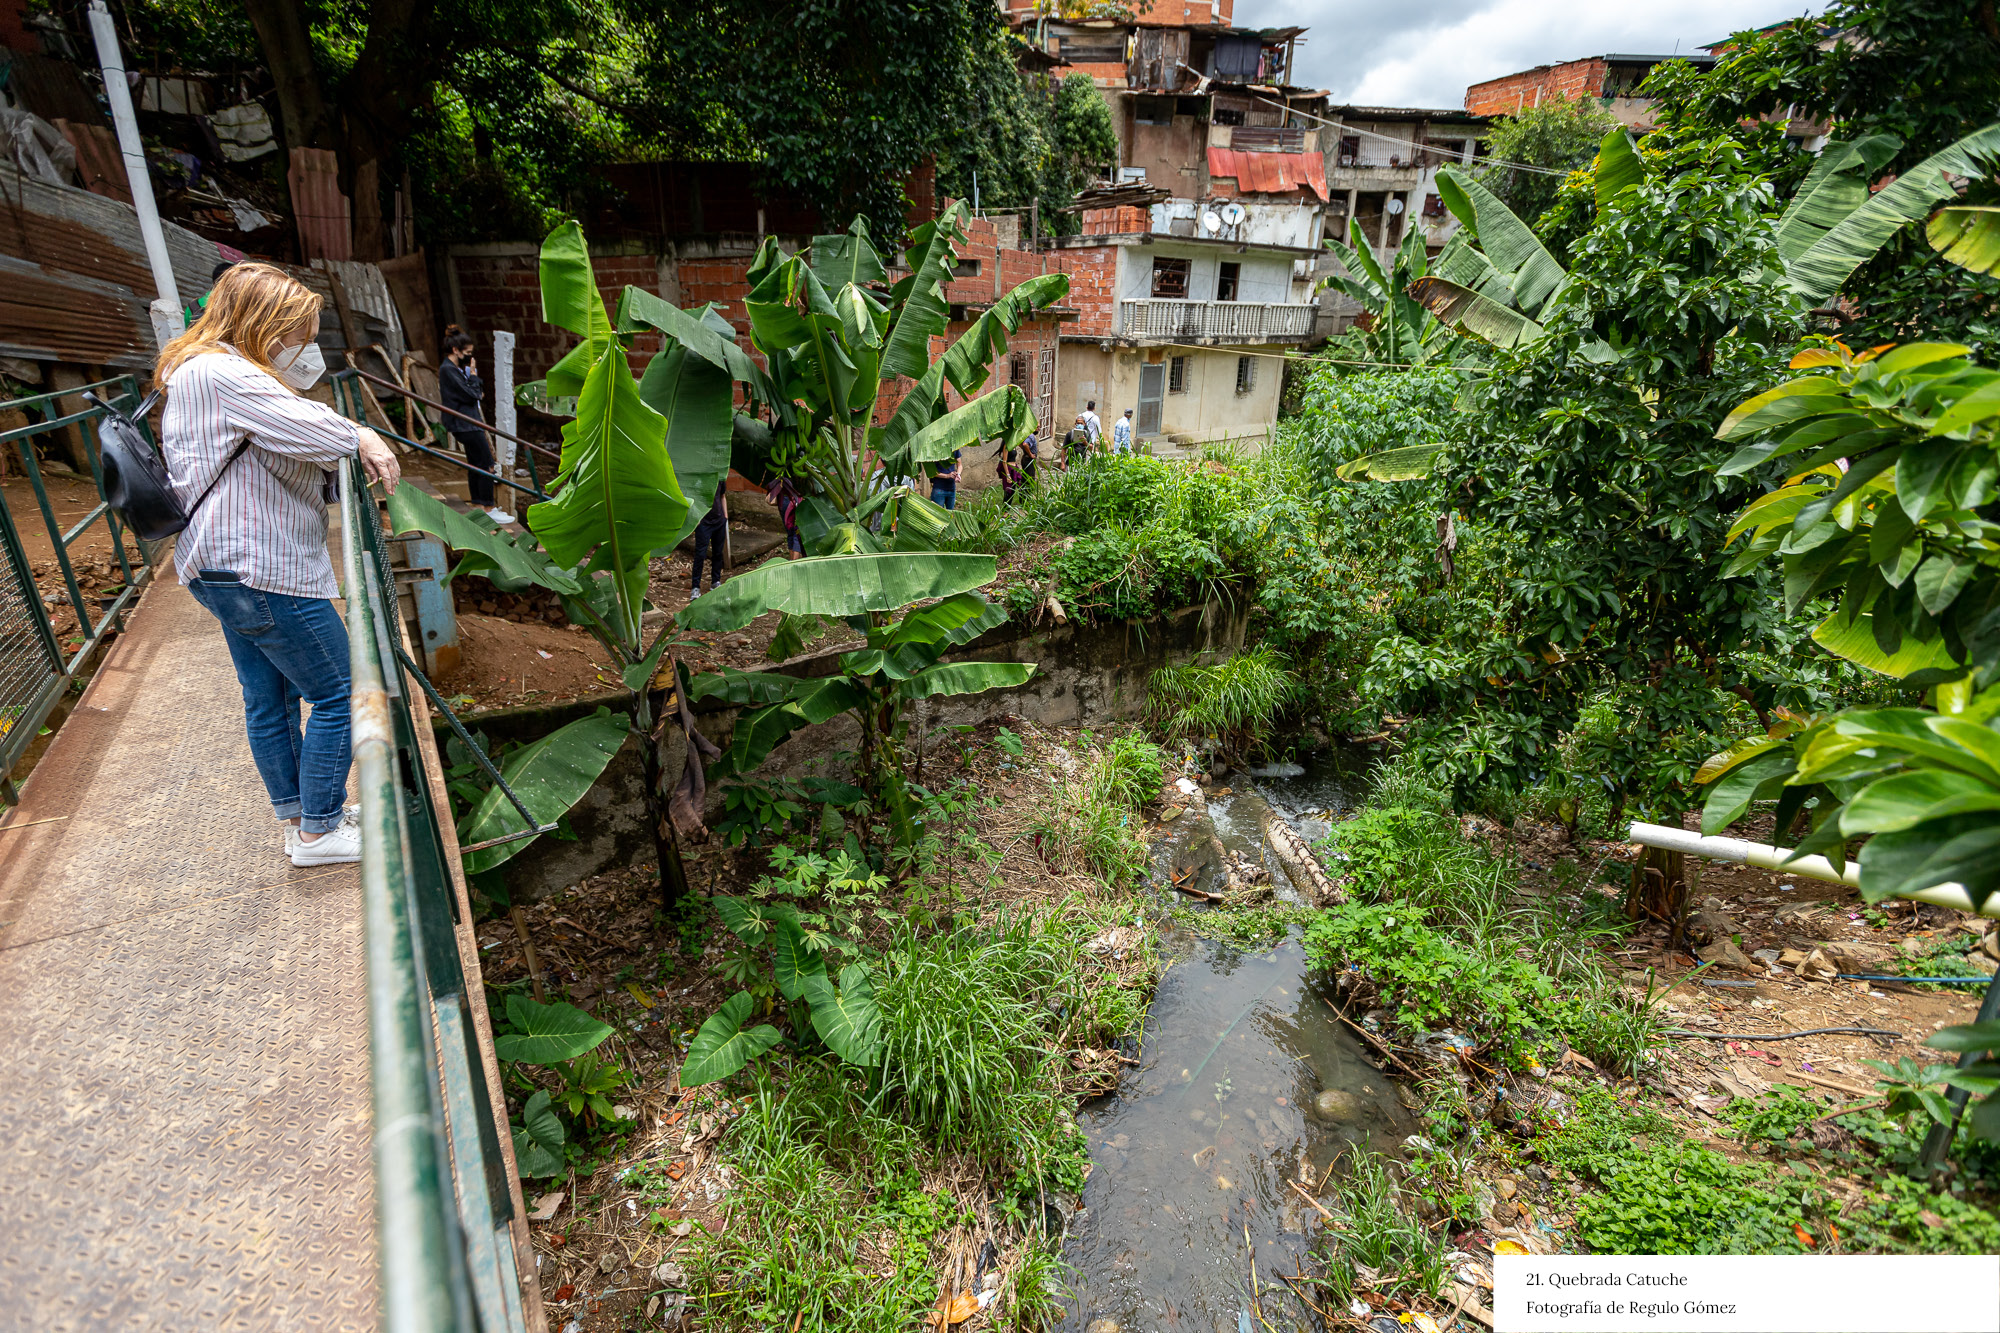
pixel 1083 674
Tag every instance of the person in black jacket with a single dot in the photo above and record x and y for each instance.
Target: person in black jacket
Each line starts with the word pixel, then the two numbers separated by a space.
pixel 461 390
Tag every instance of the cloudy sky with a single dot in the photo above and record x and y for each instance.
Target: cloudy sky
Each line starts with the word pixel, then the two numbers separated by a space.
pixel 1423 53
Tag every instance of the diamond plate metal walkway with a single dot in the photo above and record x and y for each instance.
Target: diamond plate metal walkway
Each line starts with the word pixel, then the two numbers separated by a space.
pixel 184 1067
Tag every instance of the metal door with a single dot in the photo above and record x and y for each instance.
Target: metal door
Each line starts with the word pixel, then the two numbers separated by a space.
pixel 1045 389
pixel 1152 390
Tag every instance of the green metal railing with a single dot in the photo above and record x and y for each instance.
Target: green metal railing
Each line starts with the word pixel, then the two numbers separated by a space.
pixel 443 1199
pixel 36 667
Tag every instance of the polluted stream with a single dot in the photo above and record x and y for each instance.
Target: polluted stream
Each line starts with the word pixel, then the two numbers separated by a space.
pixel 1246 1083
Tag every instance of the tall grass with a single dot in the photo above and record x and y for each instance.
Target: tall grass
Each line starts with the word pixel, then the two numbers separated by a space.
pixel 1091 822
pixel 1235 701
pixel 832 1225
pixel 1405 1257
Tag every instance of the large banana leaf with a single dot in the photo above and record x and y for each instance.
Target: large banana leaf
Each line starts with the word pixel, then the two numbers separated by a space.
pixel 965 678
pixel 698 400
pixel 570 300
pixel 1836 186
pixel 773 302
pixel 1467 311
pixel 1463 263
pixel 1508 242
pixel 1406 464
pixel 1618 166
pixel 921 310
pixel 1819 271
pixel 706 334
pixel 618 494
pixel 917 410
pixel 837 585
pixel 1002 415
pixel 549 776
pixel 484 549
pixel 1968 236
pixel 966 361
pixel 957 619
pixel 847 257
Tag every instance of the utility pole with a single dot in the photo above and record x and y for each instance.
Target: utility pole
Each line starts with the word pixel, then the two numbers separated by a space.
pixel 168 321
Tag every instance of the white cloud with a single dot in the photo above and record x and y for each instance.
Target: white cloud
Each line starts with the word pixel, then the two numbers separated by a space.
pixel 1424 53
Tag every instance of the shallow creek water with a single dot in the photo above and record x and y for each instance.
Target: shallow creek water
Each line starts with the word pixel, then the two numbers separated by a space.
pixel 1246 1082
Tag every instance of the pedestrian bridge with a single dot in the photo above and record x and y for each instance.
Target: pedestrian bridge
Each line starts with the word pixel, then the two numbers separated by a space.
pixel 236 1094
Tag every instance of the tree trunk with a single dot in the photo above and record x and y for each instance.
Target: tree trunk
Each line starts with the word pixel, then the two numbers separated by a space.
pixel 666 843
pixel 288 53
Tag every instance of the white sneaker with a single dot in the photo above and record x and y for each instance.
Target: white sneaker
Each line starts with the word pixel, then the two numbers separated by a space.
pixel 499 516
pixel 696 593
pixel 336 847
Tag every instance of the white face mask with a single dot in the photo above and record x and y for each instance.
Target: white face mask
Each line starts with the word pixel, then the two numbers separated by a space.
pixel 299 366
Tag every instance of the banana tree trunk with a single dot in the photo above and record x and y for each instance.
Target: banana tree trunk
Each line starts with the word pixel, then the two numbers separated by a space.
pixel 666 843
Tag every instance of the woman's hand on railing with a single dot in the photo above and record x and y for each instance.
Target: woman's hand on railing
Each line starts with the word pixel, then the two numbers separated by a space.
pixel 378 460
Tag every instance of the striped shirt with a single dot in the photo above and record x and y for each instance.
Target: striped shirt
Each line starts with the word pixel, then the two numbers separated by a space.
pixel 265 519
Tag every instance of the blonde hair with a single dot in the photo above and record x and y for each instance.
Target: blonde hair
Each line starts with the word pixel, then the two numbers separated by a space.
pixel 252 308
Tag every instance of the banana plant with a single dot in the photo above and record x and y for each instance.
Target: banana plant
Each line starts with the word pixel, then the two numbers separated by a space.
pixel 900 664
pixel 1400 331
pixel 1831 227
pixel 618 500
pixel 832 331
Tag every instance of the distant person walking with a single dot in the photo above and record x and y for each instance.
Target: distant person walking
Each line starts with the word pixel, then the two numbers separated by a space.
pixel 944 485
pixel 461 390
pixel 1078 442
pixel 1121 434
pixel 253 459
pixel 785 498
pixel 1009 472
pixel 1031 454
pixel 710 535
pixel 1091 423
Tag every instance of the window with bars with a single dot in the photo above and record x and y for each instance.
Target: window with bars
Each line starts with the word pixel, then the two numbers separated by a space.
pixel 1017 371
pixel 1177 375
pixel 1170 279
pixel 1246 373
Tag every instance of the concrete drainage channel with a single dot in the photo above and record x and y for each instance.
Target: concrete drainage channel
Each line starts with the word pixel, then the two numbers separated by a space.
pixel 1247 1083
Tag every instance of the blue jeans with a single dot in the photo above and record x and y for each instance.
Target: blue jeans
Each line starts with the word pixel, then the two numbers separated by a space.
pixel 945 497
pixel 288 650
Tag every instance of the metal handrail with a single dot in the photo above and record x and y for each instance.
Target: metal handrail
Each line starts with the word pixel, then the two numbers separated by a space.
pixel 351 408
pixel 136 565
pixel 443 1197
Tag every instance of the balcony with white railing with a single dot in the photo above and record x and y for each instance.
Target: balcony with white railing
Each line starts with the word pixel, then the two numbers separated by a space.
pixel 1217 321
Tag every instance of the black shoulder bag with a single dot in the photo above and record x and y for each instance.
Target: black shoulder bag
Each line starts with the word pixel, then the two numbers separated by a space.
pixel 136 484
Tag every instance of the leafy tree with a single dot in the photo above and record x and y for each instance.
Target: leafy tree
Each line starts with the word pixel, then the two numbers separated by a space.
pixel 1561 135
pixel 1029 140
pixel 1924 71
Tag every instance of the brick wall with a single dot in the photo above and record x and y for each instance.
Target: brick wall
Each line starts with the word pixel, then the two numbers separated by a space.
pixel 504 291
pixel 1567 81
pixel 1113 221
pixel 1093 289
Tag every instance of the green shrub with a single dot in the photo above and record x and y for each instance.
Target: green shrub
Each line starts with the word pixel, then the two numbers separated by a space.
pixel 1433 980
pixel 1129 772
pixel 1091 823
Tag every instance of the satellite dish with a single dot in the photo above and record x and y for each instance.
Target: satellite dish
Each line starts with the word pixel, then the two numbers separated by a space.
pixel 1233 213
pixel 1210 222
pixel 1394 206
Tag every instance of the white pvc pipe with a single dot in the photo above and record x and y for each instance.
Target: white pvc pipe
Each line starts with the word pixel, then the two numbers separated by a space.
pixel 167 305
pixel 1766 857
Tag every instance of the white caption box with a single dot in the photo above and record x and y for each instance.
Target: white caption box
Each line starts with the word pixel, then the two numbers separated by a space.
pixel 1731 1293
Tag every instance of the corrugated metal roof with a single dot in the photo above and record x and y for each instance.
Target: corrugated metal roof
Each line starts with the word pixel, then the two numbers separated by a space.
pixel 1270 173
pixel 325 220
